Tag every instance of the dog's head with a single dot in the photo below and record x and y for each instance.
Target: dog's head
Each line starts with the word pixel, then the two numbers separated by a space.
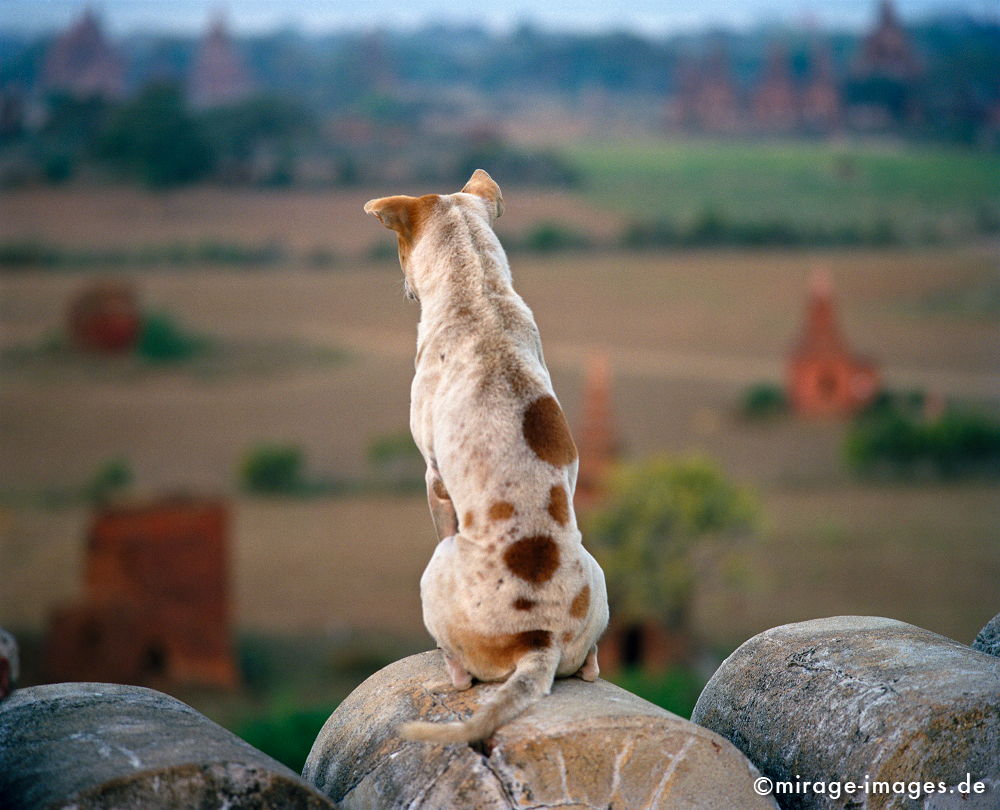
pixel 412 217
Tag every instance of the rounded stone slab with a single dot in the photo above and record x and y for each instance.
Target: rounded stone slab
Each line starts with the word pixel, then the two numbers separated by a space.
pixel 587 745
pixel 988 639
pixel 93 746
pixel 855 697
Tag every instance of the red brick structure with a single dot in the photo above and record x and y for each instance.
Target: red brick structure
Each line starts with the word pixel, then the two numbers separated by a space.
pixel 83 63
pixel 155 607
pixel 105 318
pixel 220 76
pixel 775 104
pixel 821 102
pixel 824 377
pixel 596 438
pixel 708 99
pixel 886 50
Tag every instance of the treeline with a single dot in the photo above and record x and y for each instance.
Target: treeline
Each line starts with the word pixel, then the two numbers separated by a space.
pixel 156 139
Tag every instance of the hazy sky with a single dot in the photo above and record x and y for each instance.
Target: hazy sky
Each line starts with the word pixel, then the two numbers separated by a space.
pixel 653 16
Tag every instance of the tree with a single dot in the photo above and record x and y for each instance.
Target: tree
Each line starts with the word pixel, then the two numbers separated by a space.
pixel 656 532
pixel 153 137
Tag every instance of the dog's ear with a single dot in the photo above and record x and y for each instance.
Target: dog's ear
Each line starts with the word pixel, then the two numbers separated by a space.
pixel 396 213
pixel 482 185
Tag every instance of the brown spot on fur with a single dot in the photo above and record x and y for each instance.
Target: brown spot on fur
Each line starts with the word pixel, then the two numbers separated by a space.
pixel 580 604
pixel 547 433
pixel 533 559
pixel 523 604
pixel 439 490
pixel 499 654
pixel 559 505
pixel 501 510
pixel 567 637
pixel 469 520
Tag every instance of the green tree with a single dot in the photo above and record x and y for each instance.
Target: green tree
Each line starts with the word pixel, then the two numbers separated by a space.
pixel 154 139
pixel 657 530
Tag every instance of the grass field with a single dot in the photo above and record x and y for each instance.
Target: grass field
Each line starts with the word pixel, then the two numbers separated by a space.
pixel 919 191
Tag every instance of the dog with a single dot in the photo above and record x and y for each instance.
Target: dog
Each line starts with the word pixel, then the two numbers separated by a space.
pixel 510 593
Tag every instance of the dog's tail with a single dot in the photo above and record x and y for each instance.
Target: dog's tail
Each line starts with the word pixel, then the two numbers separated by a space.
pixel 531 679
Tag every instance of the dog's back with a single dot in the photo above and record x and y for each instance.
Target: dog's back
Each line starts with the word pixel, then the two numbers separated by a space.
pixel 510 592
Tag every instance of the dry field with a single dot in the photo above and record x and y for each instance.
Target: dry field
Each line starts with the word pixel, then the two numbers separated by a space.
pixel 686 333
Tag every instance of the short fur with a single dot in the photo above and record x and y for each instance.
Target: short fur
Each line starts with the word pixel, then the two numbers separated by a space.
pixel 510 594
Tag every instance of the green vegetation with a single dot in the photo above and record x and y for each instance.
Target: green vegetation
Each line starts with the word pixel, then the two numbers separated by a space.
pixel 660 520
pixel 285 733
pixel 551 237
pixel 155 140
pixel 763 400
pixel 164 340
pixel 274 469
pixel 396 463
pixel 110 479
pixel 797 192
pixel 675 690
pixel 898 438
pixel 33 254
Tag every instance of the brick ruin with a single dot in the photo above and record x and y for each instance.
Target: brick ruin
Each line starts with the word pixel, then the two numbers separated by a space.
pixel 83 63
pixel 220 75
pixel 596 438
pixel 155 608
pixel 824 377
pixel 880 90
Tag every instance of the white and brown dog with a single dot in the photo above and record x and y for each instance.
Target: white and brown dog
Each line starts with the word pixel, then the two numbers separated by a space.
pixel 510 593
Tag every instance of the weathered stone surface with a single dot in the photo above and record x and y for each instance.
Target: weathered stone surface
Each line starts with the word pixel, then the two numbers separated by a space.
pixel 92 746
pixel 587 745
pixel 854 698
pixel 988 639
pixel 9 663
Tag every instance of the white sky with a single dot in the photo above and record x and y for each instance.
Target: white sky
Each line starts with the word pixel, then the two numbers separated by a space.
pixel 650 16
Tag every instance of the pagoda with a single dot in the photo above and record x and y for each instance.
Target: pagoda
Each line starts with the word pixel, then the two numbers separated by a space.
pixel 83 63
pixel 824 377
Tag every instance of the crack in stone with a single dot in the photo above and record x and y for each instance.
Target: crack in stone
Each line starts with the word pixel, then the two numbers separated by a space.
pixel 508 794
pixel 674 763
pixel 802 660
pixel 423 793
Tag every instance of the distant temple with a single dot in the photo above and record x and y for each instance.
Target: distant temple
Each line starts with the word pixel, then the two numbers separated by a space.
pixel 596 438
pixel 707 98
pixel 821 101
pixel 887 50
pixel 220 75
pixel 83 63
pixel 155 607
pixel 881 89
pixel 824 377
pixel 775 102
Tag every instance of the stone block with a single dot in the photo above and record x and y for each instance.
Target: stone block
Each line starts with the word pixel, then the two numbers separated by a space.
pixel 988 639
pixel 93 746
pixel 862 699
pixel 587 745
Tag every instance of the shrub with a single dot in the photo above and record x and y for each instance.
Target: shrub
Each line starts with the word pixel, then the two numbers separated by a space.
pixel 110 478
pixel 273 469
pixel 649 534
pixel 675 690
pixel 898 439
pixel 764 400
pixel 286 734
pixel 164 341
pixel 550 237
pixel 396 463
